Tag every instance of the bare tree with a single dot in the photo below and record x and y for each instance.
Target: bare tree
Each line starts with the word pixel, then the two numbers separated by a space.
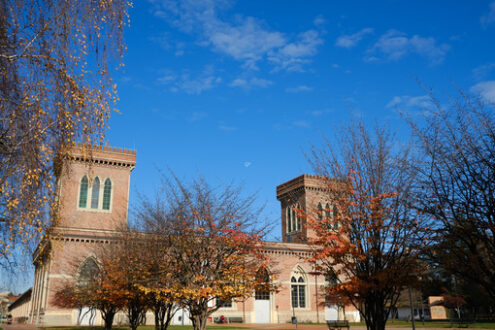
pixel 367 242
pixel 456 187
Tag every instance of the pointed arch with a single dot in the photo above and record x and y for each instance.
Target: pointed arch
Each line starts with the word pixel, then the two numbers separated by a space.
pixel 95 193
pixel 88 271
pixel 107 194
pixel 83 192
pixel 298 287
pixel 262 289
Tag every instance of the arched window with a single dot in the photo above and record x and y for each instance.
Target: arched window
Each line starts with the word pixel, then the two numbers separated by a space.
pixel 83 192
pixel 298 292
pixel 289 220
pixel 294 219
pixel 88 272
pixel 262 289
pixel 95 193
pixel 320 211
pixel 328 214
pixel 107 192
pixel 298 217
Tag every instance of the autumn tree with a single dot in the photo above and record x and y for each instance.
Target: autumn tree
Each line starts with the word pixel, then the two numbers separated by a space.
pixel 56 58
pixel 96 287
pixel 214 244
pixel 456 167
pixel 369 243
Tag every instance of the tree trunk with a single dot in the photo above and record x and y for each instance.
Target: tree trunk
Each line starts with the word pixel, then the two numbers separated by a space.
pixel 108 316
pixel 199 321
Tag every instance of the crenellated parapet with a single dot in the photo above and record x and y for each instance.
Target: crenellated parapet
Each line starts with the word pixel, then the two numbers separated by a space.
pixel 104 155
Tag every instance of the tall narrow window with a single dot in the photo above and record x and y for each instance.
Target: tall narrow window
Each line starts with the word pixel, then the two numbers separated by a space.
pixel 320 212
pixel 302 292
pixel 95 193
pixel 262 288
pixel 107 192
pixel 299 221
pixel 298 292
pixel 294 219
pixel 328 214
pixel 83 192
pixel 289 222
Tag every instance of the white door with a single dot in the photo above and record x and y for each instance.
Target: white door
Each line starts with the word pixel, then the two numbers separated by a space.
pixel 262 310
pixel 181 317
pixel 331 313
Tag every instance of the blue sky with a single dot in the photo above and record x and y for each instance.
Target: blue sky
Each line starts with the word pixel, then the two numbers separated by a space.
pixel 237 90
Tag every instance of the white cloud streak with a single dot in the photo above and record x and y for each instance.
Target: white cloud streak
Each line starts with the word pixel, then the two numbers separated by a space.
pixel 298 89
pixel 351 40
pixel 489 17
pixel 245 39
pixel 486 90
pixel 394 45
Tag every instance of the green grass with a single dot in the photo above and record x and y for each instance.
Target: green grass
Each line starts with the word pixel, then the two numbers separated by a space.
pixel 396 323
pixel 143 327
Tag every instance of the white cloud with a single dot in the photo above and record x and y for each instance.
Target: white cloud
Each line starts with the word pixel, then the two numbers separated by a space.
pixel 247 164
pixel 251 83
pixel 489 17
pixel 227 128
pixel 293 55
pixel 301 123
pixel 486 90
pixel 394 45
pixel 318 113
pixel 301 88
pixel 406 101
pixel 197 116
pixel 351 40
pixel 246 39
pixel 206 80
pixel 319 20
pixel 482 71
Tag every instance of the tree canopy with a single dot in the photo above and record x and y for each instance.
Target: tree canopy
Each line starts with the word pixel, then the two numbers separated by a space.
pixel 56 60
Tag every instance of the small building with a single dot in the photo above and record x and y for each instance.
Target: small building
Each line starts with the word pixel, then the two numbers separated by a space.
pixel 19 309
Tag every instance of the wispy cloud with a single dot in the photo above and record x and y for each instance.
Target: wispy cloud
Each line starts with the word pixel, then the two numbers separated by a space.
pixel 293 55
pixel 197 116
pixel 395 45
pixel 251 83
pixel 489 17
pixel 301 123
pixel 408 102
pixel 227 128
pixel 184 82
pixel 482 71
pixel 298 89
pixel 351 40
pixel 318 113
pixel 486 90
pixel 246 39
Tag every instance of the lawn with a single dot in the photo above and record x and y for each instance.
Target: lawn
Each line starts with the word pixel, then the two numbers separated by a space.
pixel 143 327
pixel 396 323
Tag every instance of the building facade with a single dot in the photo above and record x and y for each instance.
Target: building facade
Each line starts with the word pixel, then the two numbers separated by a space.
pixel 93 193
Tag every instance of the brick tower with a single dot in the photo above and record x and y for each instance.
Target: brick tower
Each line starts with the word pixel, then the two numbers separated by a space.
pixel 301 198
pixel 93 194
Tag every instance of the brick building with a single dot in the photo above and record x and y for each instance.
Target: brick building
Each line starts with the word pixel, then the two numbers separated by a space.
pixel 93 195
